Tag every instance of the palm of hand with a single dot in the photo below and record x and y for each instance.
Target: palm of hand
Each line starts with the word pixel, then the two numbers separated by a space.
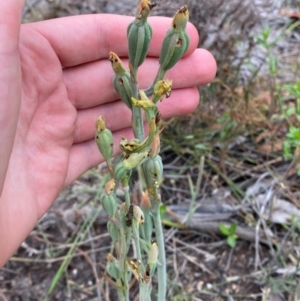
pixel 46 123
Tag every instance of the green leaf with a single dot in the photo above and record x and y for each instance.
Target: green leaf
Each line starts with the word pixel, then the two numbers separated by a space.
pixel 290 111
pixel 266 32
pixel 231 241
pixel 232 228
pixel 293 89
pixel 294 133
pixel 273 65
pixel 202 146
pixel 224 230
pixel 162 210
pixel 262 42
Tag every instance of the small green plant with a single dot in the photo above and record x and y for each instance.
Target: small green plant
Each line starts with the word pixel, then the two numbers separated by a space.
pixel 290 111
pixel 128 220
pixel 295 91
pixel 264 41
pixel 292 142
pixel 230 233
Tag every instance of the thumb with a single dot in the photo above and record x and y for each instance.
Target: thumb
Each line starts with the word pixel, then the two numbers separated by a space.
pixel 10 78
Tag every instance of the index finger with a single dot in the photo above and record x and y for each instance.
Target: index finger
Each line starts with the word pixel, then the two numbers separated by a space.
pixel 81 39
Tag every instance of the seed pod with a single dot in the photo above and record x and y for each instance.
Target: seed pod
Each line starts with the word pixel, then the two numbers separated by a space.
pixel 109 203
pixel 174 47
pixel 121 80
pixel 104 139
pixel 139 34
pixel 138 43
pixel 113 231
pixel 153 170
pixel 176 41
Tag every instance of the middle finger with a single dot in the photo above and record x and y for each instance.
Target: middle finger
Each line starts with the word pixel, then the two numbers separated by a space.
pixel 90 84
pixel 118 116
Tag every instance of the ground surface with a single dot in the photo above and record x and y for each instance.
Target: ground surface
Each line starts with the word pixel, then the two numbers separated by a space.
pixel 245 179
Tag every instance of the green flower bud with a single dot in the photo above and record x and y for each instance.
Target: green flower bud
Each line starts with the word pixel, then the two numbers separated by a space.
pixel 104 139
pixel 121 80
pixel 139 34
pixel 120 172
pixel 113 231
pixel 109 203
pixel 112 267
pixel 176 41
pixel 153 170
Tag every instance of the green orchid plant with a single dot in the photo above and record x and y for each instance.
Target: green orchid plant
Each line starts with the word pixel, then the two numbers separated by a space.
pixel 128 220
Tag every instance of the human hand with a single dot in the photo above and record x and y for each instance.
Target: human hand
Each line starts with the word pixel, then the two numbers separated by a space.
pixel 56 80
